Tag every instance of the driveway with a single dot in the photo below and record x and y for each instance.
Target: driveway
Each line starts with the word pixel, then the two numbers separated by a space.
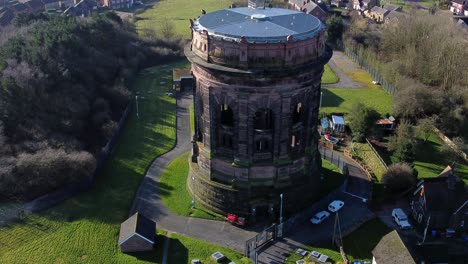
pixel 340 63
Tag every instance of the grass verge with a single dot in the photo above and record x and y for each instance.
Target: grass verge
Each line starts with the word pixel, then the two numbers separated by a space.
pixel 173 190
pixel 183 249
pixel 85 228
pixel 329 76
pixel 368 157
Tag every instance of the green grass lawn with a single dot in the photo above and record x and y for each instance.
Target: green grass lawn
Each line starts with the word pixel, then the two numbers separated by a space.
pixel 183 249
pixel 332 177
pixel 174 192
pixel 329 76
pixel 192 120
pixel 84 229
pixel 178 12
pixel 369 158
pixel 357 245
pixel 336 100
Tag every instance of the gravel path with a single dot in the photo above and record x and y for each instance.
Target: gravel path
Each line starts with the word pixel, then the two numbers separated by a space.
pixel 338 62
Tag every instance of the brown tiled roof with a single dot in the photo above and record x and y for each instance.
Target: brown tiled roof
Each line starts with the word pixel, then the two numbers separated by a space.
pixel 391 249
pixel 138 224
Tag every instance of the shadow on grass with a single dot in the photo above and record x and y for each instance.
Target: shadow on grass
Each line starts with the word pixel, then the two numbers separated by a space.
pixel 332 179
pixel 330 99
pixel 154 256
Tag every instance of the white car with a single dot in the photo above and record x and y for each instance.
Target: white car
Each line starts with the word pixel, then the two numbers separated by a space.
pixel 319 217
pixel 335 206
pixel 400 218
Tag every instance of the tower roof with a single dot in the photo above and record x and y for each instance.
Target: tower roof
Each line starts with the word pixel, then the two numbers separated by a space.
pixel 259 25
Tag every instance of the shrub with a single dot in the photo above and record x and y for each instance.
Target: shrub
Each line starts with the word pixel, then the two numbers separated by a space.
pixel 399 177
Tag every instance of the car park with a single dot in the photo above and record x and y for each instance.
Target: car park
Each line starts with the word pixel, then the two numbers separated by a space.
pixel 335 206
pixel 319 217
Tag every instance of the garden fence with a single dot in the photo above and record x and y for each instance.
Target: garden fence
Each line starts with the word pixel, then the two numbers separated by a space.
pixel 389 88
pixel 376 154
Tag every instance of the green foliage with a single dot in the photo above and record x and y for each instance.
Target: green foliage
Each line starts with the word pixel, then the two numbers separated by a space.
pixel 361 120
pixel 399 177
pixel 63 88
pixel 335 29
pixel 173 190
pixel 426 128
pixel 403 143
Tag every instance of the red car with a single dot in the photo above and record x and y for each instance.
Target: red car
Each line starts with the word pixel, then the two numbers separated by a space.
pixel 236 220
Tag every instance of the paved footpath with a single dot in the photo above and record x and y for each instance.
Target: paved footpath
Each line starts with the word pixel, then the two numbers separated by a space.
pixel 148 202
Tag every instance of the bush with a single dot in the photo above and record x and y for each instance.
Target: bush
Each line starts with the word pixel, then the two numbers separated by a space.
pixel 399 177
pixel 361 121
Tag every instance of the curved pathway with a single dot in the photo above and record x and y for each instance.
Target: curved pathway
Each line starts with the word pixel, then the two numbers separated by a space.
pixel 338 61
pixel 148 202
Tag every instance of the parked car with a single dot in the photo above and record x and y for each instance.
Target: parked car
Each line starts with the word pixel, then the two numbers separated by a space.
pixel 335 206
pixel 319 217
pixel 400 218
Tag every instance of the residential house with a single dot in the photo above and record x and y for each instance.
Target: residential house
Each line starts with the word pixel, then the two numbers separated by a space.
pixel 118 4
pixel 83 8
pixel 387 123
pixel 459 6
pixel 378 13
pixel 441 202
pixel 309 7
pixel 6 16
pixel 390 7
pixel 137 233
pixel 394 17
pixel 391 249
pixel 35 6
pixel 57 4
pixel 19 8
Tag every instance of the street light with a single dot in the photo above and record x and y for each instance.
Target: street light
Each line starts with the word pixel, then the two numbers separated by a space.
pixel 281 209
pixel 137 110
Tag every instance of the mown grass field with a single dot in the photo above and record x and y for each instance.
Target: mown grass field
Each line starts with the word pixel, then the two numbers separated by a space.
pixel 178 13
pixel 357 245
pixel 175 195
pixel 84 229
pixel 329 76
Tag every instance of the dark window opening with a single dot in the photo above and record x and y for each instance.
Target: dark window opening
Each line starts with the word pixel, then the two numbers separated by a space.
pixel 297 114
pixel 263 145
pixel 227 116
pixel 263 119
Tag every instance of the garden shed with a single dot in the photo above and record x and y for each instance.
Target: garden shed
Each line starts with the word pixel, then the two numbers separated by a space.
pixel 338 123
pixel 182 79
pixel 137 233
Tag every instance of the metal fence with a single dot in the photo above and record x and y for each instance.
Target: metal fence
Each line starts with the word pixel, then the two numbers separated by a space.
pixel 388 87
pixel 330 155
pixel 376 154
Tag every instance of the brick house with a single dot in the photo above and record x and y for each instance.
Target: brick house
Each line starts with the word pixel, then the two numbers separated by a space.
pixel 378 13
pixel 118 4
pixel 309 7
pixel 440 202
pixel 137 233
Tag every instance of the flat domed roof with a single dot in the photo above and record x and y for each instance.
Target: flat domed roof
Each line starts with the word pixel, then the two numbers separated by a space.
pixel 259 25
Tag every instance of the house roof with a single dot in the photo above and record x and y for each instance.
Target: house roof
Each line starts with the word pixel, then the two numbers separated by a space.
pixel 379 10
pixel 391 249
pixel 35 5
pixel 338 119
pixel 460 2
pixel 445 192
pixel 385 121
pixel 19 8
pixel 390 7
pixel 325 123
pixel 366 2
pixel 6 16
pixel 137 224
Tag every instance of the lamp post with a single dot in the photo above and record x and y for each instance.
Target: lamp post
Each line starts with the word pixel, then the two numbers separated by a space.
pixel 137 110
pixel 281 209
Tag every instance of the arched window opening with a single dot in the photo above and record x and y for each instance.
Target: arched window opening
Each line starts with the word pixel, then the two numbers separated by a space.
pixel 227 116
pixel 263 119
pixel 297 113
pixel 263 145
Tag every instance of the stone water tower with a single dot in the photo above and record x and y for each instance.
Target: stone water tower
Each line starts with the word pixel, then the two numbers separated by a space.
pixel 257 75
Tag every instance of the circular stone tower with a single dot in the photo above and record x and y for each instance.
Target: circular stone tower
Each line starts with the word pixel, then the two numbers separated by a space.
pixel 257 79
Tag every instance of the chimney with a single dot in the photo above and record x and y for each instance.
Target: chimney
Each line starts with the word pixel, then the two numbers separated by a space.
pixel 256 4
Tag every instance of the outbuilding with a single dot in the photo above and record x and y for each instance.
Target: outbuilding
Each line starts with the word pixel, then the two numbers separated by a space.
pixel 338 123
pixel 137 233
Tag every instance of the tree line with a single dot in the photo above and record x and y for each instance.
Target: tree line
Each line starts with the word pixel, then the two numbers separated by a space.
pixel 63 86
